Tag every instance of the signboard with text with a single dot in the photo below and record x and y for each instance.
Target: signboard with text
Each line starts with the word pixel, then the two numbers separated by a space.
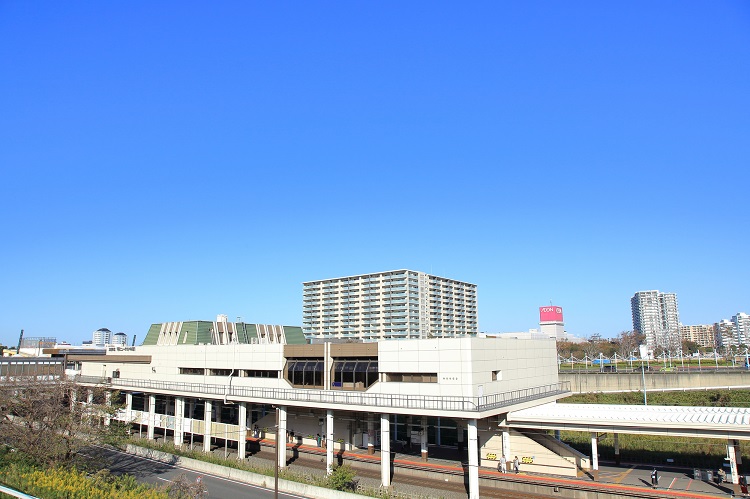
pixel 550 314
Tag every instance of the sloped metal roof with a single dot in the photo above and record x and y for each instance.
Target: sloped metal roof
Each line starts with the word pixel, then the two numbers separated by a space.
pixel 719 422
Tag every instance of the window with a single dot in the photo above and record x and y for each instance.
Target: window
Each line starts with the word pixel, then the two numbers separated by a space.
pixel 305 372
pixel 354 374
pixel 192 370
pixel 255 373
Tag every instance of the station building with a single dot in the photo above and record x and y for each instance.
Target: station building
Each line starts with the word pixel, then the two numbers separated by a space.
pixel 226 384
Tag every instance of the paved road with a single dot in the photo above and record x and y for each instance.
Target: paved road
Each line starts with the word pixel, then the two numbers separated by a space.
pixel 157 473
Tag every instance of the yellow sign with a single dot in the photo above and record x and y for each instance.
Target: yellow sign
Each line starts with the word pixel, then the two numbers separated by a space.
pixel 527 460
pixel 492 456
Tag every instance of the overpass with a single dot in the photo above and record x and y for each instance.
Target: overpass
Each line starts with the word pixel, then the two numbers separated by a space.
pixel 634 381
pixel 730 423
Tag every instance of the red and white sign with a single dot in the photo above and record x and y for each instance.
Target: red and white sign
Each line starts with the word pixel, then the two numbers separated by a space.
pixel 550 314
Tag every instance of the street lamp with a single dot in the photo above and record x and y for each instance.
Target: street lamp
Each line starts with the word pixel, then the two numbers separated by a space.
pixel 278 453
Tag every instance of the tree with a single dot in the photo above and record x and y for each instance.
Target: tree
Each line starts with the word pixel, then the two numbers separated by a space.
pixel 47 421
pixel 628 343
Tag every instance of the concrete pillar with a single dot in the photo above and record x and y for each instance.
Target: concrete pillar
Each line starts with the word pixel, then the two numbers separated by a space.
pixel 151 416
pixel 207 410
pixel 242 438
pixel 73 398
pixel 594 456
pixel 89 397
pixel 732 451
pixel 473 460
pixel 281 438
pixel 459 436
pixel 370 435
pixel 505 437
pixel 329 441
pixel 617 448
pixel 179 420
pixel 128 409
pixel 423 438
pixel 557 434
pixel 385 450
pixel 108 401
pixel 737 451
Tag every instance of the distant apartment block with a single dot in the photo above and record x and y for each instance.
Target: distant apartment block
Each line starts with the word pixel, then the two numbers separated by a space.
pixel 102 337
pixel 701 334
pixel 725 334
pixel 655 315
pixel 389 305
pixel 119 339
pixel 741 323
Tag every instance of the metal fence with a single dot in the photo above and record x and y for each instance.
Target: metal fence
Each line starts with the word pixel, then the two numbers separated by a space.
pixel 328 397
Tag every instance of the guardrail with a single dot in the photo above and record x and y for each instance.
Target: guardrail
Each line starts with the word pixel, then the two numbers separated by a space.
pixel 331 397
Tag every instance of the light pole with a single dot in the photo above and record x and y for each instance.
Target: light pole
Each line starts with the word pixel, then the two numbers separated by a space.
pixel 278 453
pixel 643 375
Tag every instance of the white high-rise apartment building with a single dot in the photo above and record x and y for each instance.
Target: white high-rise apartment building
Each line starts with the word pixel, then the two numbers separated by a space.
pixel 389 305
pixel 102 337
pixel 726 334
pixel 655 315
pixel 742 328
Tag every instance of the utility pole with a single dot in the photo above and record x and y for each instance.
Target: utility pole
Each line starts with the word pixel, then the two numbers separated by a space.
pixel 20 339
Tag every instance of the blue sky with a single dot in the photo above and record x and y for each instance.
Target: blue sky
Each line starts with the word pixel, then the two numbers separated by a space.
pixel 172 161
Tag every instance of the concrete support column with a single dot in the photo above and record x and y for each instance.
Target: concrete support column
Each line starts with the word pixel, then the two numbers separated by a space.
pixel 329 441
pixel 737 450
pixel 732 451
pixel 473 460
pixel 423 438
pixel 179 420
pixel 459 436
pixel 207 410
pixel 73 398
pixel 557 434
pixel 281 438
pixel 617 448
pixel 151 416
pixel 385 450
pixel 505 436
pixel 594 456
pixel 242 438
pixel 108 401
pixel 128 409
pixel 370 435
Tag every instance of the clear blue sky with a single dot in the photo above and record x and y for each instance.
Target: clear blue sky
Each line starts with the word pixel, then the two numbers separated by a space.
pixel 171 161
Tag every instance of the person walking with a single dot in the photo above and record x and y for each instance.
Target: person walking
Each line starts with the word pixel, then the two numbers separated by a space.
pixel 501 467
pixel 515 465
pixel 654 478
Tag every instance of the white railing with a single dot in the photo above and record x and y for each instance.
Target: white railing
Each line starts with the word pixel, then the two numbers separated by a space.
pixel 335 397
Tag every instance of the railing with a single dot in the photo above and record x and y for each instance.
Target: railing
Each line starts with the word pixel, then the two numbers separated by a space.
pixel 275 395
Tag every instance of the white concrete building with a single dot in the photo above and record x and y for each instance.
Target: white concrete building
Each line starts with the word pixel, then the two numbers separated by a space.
pixel 741 323
pixel 397 304
pixel 119 339
pixel 101 337
pixel 451 391
pixel 656 316
pixel 725 334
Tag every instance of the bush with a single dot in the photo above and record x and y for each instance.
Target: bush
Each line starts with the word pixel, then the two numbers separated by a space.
pixel 342 478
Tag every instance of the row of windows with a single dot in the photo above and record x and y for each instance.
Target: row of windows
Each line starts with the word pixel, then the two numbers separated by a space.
pixel 243 373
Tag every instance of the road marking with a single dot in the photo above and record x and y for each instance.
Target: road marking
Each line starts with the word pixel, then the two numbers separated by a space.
pixel 690 482
pixel 624 474
pixel 673 481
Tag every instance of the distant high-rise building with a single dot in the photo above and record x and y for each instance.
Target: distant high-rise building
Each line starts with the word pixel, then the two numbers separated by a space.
pixel 120 339
pixel 725 334
pixel 102 337
pixel 389 305
pixel 655 315
pixel 551 322
pixel 702 334
pixel 741 323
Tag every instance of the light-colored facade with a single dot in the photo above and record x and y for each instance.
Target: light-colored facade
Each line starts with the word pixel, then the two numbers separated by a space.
pixel 656 316
pixel 741 323
pixel 702 334
pixel 725 334
pixel 119 339
pixel 451 391
pixel 398 304
pixel 102 337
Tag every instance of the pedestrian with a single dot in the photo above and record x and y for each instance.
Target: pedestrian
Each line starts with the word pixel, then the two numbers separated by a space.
pixel 654 478
pixel 515 465
pixel 501 467
pixel 721 475
pixel 318 439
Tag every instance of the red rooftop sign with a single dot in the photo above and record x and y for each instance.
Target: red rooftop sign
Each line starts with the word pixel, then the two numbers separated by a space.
pixel 550 314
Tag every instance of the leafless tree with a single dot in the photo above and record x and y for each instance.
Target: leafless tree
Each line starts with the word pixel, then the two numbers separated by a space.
pixel 50 420
pixel 184 488
pixel 628 342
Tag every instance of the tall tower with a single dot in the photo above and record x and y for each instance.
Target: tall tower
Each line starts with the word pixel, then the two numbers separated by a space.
pixel 656 316
pixel 551 322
